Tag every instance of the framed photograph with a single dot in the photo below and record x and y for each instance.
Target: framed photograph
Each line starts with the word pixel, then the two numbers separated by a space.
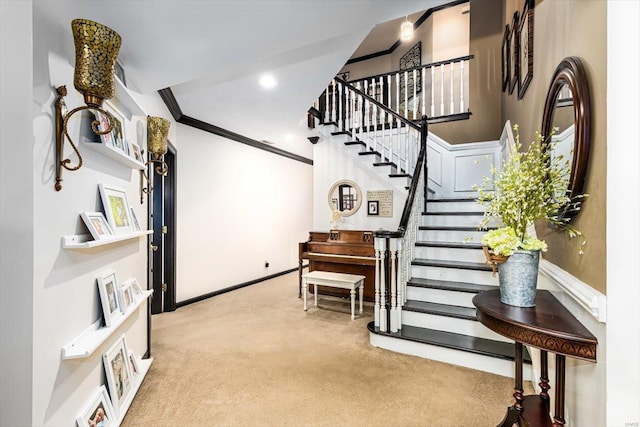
pixel 506 60
pixel 115 138
pixel 372 207
pixel 136 288
pixel 109 298
pixel 133 362
pixel 525 45
pixel 98 412
pixel 116 209
pixel 97 225
pixel 127 298
pixel 135 152
pixel 513 53
pixel 134 220
pixel 118 370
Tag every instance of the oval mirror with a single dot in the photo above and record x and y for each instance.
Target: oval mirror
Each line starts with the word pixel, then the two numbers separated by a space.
pixel 567 109
pixel 345 197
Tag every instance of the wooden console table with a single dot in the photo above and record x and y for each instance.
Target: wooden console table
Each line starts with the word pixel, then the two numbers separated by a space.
pixel 548 326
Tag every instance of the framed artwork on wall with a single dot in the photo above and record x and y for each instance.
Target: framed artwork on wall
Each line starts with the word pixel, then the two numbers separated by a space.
pixel 109 298
pixel 115 138
pixel 506 59
pixel 513 53
pixel 99 411
pixel 372 207
pixel 118 370
pixel 97 225
pixel 411 59
pixel 525 48
pixel 116 209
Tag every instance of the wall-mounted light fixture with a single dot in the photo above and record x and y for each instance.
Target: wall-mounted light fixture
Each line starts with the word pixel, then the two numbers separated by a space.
pixel 96 49
pixel 406 30
pixel 157 145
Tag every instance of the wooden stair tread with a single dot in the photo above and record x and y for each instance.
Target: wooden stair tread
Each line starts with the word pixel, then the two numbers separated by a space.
pixel 454 245
pixel 483 346
pixel 454 228
pixel 341 132
pixel 439 200
pixel 456 213
pixel 447 310
pixel 465 265
pixel 447 285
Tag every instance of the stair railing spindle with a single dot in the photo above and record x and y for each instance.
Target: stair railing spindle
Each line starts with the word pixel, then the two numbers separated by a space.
pixel 415 99
pixel 451 107
pixel 462 86
pixel 433 92
pixel 442 90
pixel 423 76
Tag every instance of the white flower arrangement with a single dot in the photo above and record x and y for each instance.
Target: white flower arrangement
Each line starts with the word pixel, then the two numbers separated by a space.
pixel 531 186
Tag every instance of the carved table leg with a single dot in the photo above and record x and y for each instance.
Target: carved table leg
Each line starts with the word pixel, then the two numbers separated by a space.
pixel 361 294
pixel 513 413
pixel 304 293
pixel 544 376
pixel 558 419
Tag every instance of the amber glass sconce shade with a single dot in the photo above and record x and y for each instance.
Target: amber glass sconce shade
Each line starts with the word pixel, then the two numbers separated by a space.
pixel 157 145
pixel 96 48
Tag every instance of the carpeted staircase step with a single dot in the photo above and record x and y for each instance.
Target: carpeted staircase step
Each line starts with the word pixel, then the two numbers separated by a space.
pixel 455 245
pixel 441 309
pixel 483 346
pixel 479 266
pixel 446 285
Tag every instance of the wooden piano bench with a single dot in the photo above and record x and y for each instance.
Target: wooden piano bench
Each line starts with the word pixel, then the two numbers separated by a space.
pixel 335 280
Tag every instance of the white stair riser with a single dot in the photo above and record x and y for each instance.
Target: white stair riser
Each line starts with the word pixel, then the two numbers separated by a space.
pixel 454 274
pixel 452 220
pixel 440 296
pixel 453 254
pixel 447 355
pixel 454 207
pixel 450 324
pixel 450 235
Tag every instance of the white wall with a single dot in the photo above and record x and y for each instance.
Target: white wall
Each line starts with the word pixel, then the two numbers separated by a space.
pixel 333 163
pixel 16 214
pixel 237 208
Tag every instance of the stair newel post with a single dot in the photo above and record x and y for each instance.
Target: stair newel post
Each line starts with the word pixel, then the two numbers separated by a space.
pixel 378 247
pixel 401 281
pixel 393 286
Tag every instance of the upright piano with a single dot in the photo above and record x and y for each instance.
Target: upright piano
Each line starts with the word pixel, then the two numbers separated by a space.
pixel 340 251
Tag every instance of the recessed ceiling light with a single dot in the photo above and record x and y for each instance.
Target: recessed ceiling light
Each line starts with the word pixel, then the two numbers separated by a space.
pixel 267 81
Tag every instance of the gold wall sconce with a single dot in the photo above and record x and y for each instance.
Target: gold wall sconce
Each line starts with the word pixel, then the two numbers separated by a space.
pixel 96 48
pixel 157 145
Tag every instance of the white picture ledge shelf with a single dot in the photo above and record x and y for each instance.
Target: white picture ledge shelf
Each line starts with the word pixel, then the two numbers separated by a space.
pixel 91 338
pixel 84 241
pixel 144 365
pixel 113 153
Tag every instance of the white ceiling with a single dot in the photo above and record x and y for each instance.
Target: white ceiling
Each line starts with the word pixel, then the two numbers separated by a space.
pixel 211 53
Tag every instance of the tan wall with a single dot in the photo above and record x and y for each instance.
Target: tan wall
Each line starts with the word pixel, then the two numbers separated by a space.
pixel 485 79
pixel 570 28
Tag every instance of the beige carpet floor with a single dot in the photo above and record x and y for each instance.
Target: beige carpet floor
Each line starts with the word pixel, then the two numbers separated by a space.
pixel 253 357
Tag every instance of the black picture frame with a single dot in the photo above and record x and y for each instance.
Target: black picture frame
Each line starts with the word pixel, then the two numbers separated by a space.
pixel 373 208
pixel 513 53
pixel 506 62
pixel 525 48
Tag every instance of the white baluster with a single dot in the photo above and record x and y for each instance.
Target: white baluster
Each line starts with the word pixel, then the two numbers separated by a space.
pixel 462 86
pixel 423 74
pixel 415 99
pixel 406 95
pixel 398 93
pixel 389 103
pixel 433 92
pixel 451 107
pixel 406 152
pixel 442 89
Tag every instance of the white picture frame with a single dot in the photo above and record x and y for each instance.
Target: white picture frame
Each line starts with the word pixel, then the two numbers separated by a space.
pixel 134 220
pixel 117 367
pixel 109 298
pixel 98 410
pixel 136 153
pixel 116 209
pixel 136 288
pixel 115 138
pixel 127 298
pixel 133 363
pixel 97 225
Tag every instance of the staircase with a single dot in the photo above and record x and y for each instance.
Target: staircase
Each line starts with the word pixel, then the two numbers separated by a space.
pixel 438 318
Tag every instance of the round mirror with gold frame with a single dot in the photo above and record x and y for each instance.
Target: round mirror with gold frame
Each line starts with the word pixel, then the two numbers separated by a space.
pixel 345 197
pixel 567 109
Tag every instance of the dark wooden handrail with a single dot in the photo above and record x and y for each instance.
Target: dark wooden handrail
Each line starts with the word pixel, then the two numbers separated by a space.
pixel 408 204
pixel 379 104
pixel 419 67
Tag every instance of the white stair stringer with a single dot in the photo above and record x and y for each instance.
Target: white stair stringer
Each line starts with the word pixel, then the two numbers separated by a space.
pixel 476 361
